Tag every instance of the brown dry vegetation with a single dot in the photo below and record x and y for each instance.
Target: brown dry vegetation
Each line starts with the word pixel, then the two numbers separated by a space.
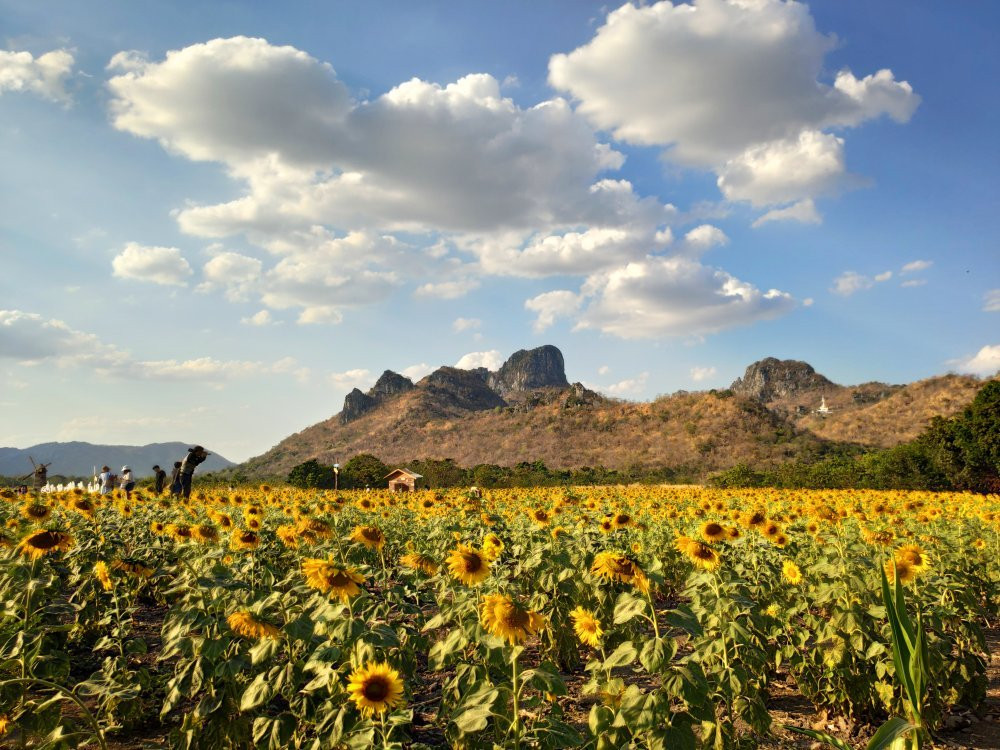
pixel 705 431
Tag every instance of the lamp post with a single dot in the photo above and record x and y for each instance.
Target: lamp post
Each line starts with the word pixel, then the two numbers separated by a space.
pixel 336 477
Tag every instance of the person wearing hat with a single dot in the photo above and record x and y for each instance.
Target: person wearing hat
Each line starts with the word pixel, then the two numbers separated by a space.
pixel 127 482
pixel 194 457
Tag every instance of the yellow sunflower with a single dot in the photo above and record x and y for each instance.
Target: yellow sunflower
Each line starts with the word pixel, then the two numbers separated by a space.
pixel 900 568
pixel 179 531
pixel 915 556
pixel 40 543
pixel 244 539
pixel 505 618
pixel 205 533
pixel 539 516
pixel 330 578
pixel 586 627
pixel 36 512
pixel 134 567
pixel 101 574
pixel 791 573
pixel 613 566
pixel 370 536
pixel 469 565
pixel 375 688
pixel 493 546
pixel 712 531
pixel 699 553
pixel 245 624
pixel 422 563
pixel 84 506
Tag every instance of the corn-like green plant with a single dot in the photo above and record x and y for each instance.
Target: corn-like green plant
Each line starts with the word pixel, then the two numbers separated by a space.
pixel 910 659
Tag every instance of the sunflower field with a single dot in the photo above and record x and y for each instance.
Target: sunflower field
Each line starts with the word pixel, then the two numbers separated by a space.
pixel 609 617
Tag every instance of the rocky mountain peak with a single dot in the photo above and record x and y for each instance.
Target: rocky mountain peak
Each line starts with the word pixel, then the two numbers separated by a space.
pixel 461 389
pixel 526 369
pixel 771 379
pixel 356 404
pixel 390 384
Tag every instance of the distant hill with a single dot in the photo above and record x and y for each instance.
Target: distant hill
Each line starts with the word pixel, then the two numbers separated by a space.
pixel 79 459
pixel 527 411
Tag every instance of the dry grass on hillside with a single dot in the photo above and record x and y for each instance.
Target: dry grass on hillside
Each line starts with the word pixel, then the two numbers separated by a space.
pixel 900 417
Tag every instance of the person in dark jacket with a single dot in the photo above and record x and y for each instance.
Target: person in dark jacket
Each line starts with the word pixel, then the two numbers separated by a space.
pixel 194 457
pixel 160 478
pixel 175 479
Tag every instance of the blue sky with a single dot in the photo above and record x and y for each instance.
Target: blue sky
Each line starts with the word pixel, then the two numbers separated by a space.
pixel 218 218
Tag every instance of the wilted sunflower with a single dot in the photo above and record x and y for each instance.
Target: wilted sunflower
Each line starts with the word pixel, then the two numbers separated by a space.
pixel 245 624
pixel 101 574
pixel 330 578
pixel 469 565
pixel 422 563
pixel 36 512
pixel 375 688
pixel 791 573
pixel 712 531
pixel 505 618
pixel 586 627
pixel 132 566
pixel 40 543
pixel 244 539
pixel 613 566
pixel 370 536
pixel 316 527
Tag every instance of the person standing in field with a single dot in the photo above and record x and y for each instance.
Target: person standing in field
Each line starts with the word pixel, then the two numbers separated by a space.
pixel 175 479
pixel 159 479
pixel 127 482
pixel 194 457
pixel 106 480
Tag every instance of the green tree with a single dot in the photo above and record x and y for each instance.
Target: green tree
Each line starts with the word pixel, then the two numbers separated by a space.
pixel 311 474
pixel 363 470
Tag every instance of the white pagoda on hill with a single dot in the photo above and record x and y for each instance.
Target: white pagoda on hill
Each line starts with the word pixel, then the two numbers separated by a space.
pixel 823 409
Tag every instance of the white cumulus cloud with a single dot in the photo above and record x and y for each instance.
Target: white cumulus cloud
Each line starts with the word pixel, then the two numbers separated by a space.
pixel 985 362
pixel 629 386
pixel 552 305
pixel 460 325
pixel 446 289
pixel 44 75
pixel 350 378
pixel 699 374
pixel 991 301
pixel 159 265
pixel 491 360
pixel 917 265
pixel 803 212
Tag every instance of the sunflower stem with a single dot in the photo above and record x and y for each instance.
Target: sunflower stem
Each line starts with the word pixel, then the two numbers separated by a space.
pixel 515 691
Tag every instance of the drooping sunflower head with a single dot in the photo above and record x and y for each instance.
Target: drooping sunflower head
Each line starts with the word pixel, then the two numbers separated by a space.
pixel 370 536
pixel 245 624
pixel 288 535
pixel 330 578
pixel 702 555
pixel 468 565
pixel 39 543
pixel 132 566
pixel 375 688
pixel 507 619
pixel 586 627
pixel 791 573
pixel 419 562
pixel 205 533
pixel 244 539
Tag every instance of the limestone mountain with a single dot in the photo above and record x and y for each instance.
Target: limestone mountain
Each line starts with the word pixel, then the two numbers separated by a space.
pixel 528 411
pixel 77 459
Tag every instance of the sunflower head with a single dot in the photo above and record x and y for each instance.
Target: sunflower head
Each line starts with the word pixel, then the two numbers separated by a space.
pixel 701 555
pixel 791 573
pixel 245 539
pixel 245 624
pixel 419 562
pixel 468 565
pixel 39 543
pixel 713 531
pixel 507 619
pixel 370 536
pixel 102 574
pixel 375 688
pixel 586 627
pixel 36 512
pixel 330 578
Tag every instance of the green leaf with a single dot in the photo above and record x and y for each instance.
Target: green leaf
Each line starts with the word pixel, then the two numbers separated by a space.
pixel 828 739
pixel 628 607
pixel 473 719
pixel 259 692
pixel 623 655
pixel 656 652
pixel 889 732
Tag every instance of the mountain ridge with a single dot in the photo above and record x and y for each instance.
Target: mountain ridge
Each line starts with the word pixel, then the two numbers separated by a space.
pixel 767 417
pixel 78 459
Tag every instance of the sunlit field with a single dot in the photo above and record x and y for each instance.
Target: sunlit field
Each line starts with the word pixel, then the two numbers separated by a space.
pixel 662 617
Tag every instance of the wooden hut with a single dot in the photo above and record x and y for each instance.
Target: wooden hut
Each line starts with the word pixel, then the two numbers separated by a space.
pixel 402 480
